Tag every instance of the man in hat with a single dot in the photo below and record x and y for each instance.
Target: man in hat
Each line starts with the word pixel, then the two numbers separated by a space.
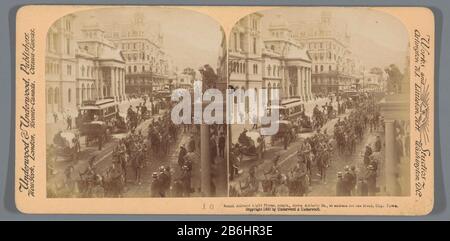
pixel 274 172
pixel 164 181
pixel 186 181
pixel 181 155
pixel 340 185
pixel 377 144
pixel 282 190
pixel 116 179
pixel 155 185
pixel 348 180
pixel 252 184
pixel 367 154
pixel 362 188
pixel 371 177
pixel 222 142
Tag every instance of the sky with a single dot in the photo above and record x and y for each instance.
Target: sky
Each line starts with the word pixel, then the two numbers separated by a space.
pixel 377 38
pixel 190 38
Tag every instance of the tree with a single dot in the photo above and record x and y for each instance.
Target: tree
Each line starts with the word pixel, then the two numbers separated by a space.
pixel 209 77
pixel 394 78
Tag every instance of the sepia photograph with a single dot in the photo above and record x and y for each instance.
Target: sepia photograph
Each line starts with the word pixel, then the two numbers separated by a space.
pixel 109 76
pixel 225 110
pixel 343 82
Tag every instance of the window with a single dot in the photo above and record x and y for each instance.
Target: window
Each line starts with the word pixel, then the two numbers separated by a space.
pixel 235 42
pixel 321 68
pixel 274 70
pixel 69 69
pixel 254 45
pixel 129 69
pixel 268 70
pixel 88 71
pixel 82 71
pixel 241 42
pixel 50 96
pixel 315 69
pixel 329 68
pixel 69 95
pixel 56 96
pixel 68 45
pixel 143 68
pixel 135 68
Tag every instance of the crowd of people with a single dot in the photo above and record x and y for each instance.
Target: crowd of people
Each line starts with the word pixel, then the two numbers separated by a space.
pixel 317 152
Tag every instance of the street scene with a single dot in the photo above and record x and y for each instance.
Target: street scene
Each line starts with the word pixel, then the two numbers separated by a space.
pixel 338 80
pixel 110 74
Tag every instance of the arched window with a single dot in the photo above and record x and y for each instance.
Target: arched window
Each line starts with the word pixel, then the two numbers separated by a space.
pixel 82 70
pixel 135 68
pixel 268 70
pixel 321 68
pixel 329 68
pixel 83 93
pixel 56 96
pixel 315 69
pixel 274 70
pixel 88 71
pixel 50 96
pixel 69 95
pixel 143 68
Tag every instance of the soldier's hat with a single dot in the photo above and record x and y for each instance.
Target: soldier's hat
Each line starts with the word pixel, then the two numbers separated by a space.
pixel 154 174
pixel 370 167
pixel 339 174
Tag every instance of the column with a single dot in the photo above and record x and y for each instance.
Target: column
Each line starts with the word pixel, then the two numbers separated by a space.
pixel 123 84
pixel 390 159
pixel 305 83
pixel 111 94
pixel 100 83
pixel 205 162
pixel 299 83
pixel 309 83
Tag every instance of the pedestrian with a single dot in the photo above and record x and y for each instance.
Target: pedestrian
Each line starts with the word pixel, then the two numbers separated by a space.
pixel 155 185
pixel 100 142
pixel 55 117
pixel 213 149
pixel 138 165
pixel 362 187
pixel 181 155
pixel 69 122
pixel 164 181
pixel 377 144
pixel 339 185
pixel 367 154
pixel 222 142
pixel 371 178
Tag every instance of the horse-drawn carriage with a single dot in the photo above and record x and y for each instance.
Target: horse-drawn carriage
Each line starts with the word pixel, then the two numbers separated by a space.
pixel 250 144
pixel 67 145
pixel 99 119
pixel 285 130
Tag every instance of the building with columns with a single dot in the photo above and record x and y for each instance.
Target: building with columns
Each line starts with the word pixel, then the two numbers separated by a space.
pixel 60 66
pixel 334 67
pixel 88 68
pixel 141 43
pixel 100 66
pixel 275 61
